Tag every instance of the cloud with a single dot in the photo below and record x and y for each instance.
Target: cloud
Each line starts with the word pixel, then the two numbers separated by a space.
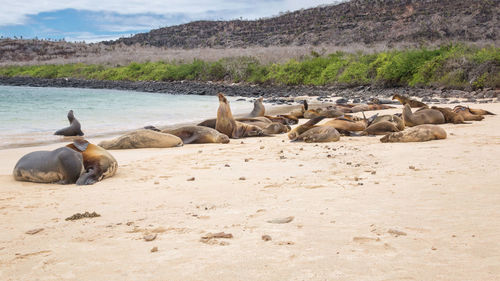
pixel 18 12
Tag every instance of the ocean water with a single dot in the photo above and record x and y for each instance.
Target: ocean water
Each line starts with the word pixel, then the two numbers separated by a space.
pixel 30 116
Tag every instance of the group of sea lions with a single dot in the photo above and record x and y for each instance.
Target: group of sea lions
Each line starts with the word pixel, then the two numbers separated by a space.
pixel 84 163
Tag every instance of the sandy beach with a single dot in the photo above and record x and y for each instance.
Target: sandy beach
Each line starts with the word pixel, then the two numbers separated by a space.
pixel 362 210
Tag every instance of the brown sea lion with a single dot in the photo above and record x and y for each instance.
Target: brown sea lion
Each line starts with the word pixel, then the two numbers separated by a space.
pixel 258 108
pixel 425 116
pixel 198 134
pixel 311 113
pixel 276 128
pixel 319 134
pixel 297 131
pixel 142 139
pixel 227 125
pixel 345 126
pixel 74 128
pixel 406 100
pixel 467 114
pixel 98 163
pixel 300 112
pixel 62 166
pixel 416 134
pixel 449 115
pixel 381 128
pixel 291 120
pixel 400 124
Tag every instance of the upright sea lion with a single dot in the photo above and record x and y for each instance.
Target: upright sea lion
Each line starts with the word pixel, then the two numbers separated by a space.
pixel 227 125
pixel 406 100
pixel 258 108
pixel 425 116
pixel 449 115
pixel 98 163
pixel 142 139
pixel 467 114
pixel 63 166
pixel 416 134
pixel 74 128
pixel 198 134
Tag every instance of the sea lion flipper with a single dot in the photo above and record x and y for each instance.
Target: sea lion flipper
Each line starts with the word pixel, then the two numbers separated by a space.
pixel 87 178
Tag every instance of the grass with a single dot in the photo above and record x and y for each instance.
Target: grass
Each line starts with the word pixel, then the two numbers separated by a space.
pixel 454 65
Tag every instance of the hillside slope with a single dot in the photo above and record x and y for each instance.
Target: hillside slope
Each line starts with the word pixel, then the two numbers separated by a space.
pixel 356 21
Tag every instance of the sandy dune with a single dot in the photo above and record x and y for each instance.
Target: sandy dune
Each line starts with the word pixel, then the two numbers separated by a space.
pixel 362 210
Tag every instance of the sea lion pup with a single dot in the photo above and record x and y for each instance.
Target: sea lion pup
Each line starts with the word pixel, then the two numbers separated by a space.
pixel 449 115
pixel 198 134
pixel 416 134
pixel 406 100
pixel 226 124
pixel 425 116
pixel 400 124
pixel 142 138
pixel 380 128
pixel 99 164
pixel 74 128
pixel 62 166
pixel 319 134
pixel 276 128
pixel 258 108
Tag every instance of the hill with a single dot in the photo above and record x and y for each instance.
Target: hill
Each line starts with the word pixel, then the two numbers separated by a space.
pixel 356 21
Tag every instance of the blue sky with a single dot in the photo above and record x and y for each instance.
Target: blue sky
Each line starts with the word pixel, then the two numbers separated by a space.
pixel 98 20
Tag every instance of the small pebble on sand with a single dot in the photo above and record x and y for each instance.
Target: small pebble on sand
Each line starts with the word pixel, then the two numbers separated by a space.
pixel 154 250
pixel 266 238
pixel 190 179
pixel 149 237
pixel 34 231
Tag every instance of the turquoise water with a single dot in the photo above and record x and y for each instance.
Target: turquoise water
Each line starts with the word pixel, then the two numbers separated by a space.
pixel 30 116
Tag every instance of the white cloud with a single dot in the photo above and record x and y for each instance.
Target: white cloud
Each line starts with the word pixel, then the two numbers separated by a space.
pixel 16 12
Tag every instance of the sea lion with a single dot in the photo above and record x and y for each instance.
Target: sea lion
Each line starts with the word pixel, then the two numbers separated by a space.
pixel 258 108
pixel 198 134
pixel 276 128
pixel 406 100
pixel 449 115
pixel 226 124
pixel 319 134
pixel 425 116
pixel 63 166
pixel 381 128
pixel 297 131
pixel 142 138
pixel 99 164
pixel 477 111
pixel 300 112
pixel 74 128
pixel 291 120
pixel 467 114
pixel 416 134
pixel 280 119
pixel 345 126
pixel 400 124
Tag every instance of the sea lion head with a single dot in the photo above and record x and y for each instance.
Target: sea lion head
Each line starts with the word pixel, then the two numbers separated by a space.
pixel 222 98
pixel 221 138
pixel 71 116
pixel 81 144
pixel 293 135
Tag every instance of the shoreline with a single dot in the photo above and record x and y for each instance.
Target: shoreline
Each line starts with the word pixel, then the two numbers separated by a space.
pixel 273 93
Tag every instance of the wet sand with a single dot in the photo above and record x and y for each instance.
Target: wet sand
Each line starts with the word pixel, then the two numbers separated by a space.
pixel 362 210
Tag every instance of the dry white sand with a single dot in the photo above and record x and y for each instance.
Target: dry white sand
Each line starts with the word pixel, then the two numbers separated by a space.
pixel 349 200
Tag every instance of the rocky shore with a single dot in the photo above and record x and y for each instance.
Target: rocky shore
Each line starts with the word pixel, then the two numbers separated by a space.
pixel 272 93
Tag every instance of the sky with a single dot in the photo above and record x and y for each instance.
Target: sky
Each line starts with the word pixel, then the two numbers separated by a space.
pixel 100 20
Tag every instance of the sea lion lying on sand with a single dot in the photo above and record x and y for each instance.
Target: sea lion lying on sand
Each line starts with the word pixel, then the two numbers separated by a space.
pixel 198 134
pixel 467 114
pixel 406 100
pixel 416 134
pixel 424 116
pixel 226 124
pixel 74 128
pixel 142 139
pixel 99 164
pixel 63 166
pixel 309 132
pixel 449 115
